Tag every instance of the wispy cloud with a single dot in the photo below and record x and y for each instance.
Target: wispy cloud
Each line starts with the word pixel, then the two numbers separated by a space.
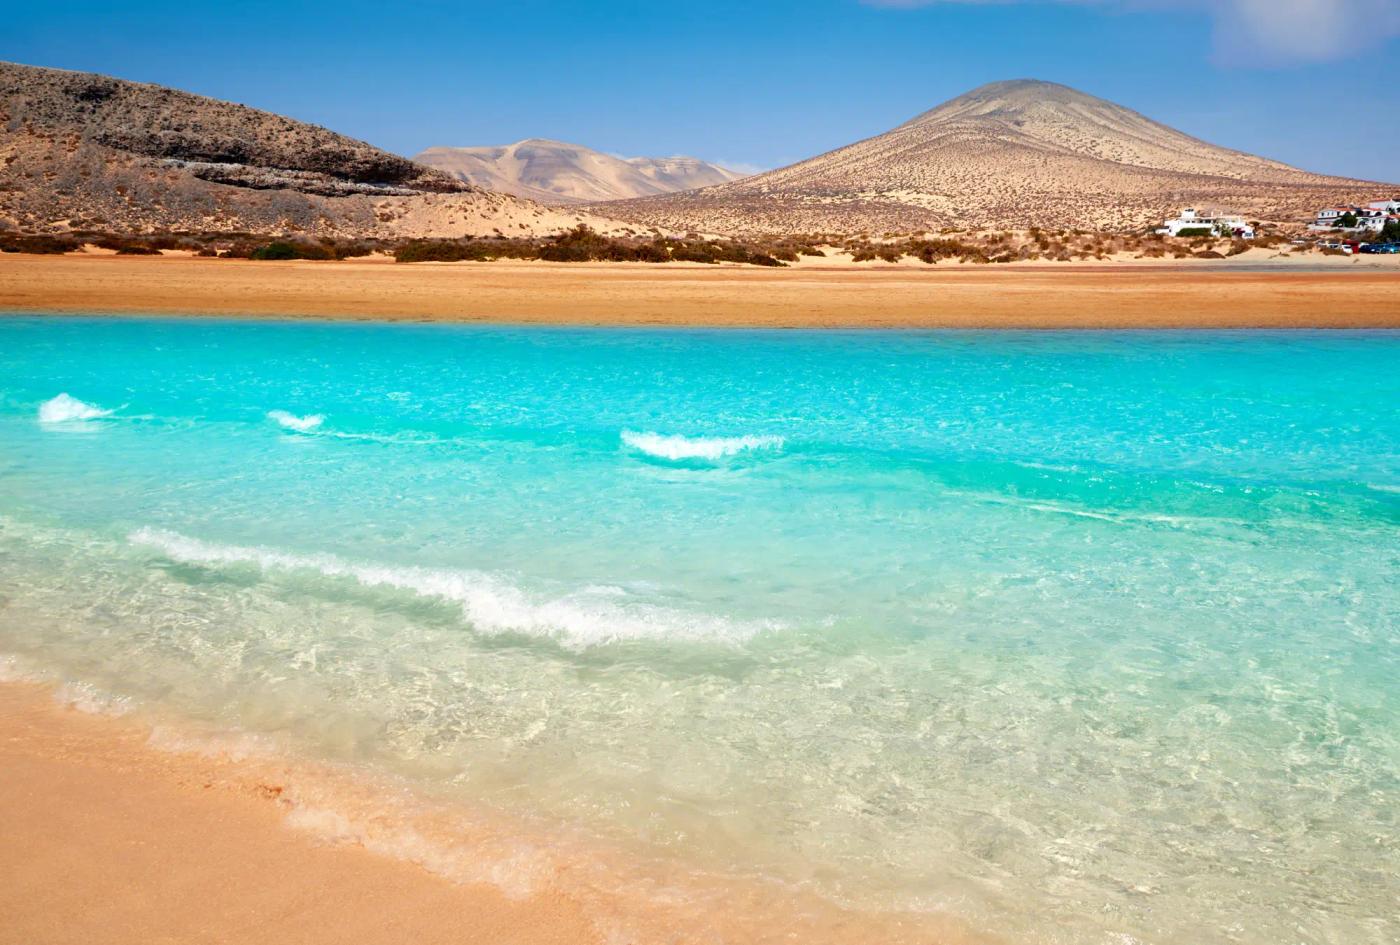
pixel 1262 32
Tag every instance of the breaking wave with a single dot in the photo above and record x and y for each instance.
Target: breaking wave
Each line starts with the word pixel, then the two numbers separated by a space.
pixel 292 422
pixel 66 409
pixel 677 447
pixel 493 605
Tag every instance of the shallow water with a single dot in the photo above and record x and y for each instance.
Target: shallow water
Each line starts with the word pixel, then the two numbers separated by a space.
pixel 1073 636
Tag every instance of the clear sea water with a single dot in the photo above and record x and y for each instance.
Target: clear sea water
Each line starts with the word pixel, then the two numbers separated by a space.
pixel 1081 637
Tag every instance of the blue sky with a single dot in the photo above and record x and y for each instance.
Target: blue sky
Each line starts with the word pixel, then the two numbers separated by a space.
pixel 760 83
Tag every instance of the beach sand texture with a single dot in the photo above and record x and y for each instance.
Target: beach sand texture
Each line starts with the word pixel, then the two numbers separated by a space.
pixel 107 840
pixel 110 839
pixel 1338 293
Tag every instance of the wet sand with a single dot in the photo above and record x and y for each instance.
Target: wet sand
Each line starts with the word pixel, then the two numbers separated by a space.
pixel 123 833
pixel 107 840
pixel 1337 294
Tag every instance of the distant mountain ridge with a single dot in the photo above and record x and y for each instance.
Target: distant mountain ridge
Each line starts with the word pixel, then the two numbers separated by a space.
pixel 556 172
pixel 1011 154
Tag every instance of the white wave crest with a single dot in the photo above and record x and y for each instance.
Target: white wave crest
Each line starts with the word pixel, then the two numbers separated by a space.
pixel 292 422
pixel 66 409
pixel 676 447
pixel 492 604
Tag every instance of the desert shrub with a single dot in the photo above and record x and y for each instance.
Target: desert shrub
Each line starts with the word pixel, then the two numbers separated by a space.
pixel 653 252
pixel 688 251
pixel 276 250
pixel 283 249
pixel 1194 231
pixel 1237 247
pixel 1209 254
pixel 125 245
pixel 717 251
pixel 137 249
pixel 438 251
pixel 38 245
pixel 581 244
pixel 352 249
pixel 930 251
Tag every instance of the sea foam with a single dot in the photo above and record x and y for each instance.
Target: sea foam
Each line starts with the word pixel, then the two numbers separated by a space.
pixel 291 421
pixel 677 447
pixel 491 603
pixel 66 409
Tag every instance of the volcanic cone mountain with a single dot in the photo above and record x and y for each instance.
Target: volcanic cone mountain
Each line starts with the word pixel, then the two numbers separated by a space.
pixel 1021 153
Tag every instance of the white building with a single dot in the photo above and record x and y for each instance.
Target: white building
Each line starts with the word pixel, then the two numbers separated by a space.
pixel 1327 217
pixel 1371 218
pixel 1214 220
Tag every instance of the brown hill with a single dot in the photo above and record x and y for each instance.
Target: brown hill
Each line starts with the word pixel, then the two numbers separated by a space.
pixel 85 151
pixel 1007 155
pixel 554 172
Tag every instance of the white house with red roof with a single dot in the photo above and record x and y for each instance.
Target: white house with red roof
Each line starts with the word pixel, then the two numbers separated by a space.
pixel 1374 216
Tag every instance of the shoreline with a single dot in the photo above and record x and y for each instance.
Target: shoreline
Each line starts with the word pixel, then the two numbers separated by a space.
pixel 128 831
pixel 1157 295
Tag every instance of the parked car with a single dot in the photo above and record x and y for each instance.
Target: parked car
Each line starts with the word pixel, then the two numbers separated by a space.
pixel 1386 248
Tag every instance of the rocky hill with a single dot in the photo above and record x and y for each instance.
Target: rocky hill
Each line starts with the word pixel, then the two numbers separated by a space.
pixel 554 172
pixel 1008 155
pixel 85 151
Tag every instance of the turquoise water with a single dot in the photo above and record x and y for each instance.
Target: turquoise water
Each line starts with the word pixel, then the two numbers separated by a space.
pixel 1080 637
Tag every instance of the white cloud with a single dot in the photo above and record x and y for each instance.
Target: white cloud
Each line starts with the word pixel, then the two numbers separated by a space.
pixel 1307 30
pixel 1264 32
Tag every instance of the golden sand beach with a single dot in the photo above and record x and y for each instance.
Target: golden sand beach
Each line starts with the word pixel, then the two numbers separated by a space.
pixel 1336 293
pixel 126 831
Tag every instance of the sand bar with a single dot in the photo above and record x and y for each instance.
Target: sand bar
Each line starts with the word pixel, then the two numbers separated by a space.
pixel 947 296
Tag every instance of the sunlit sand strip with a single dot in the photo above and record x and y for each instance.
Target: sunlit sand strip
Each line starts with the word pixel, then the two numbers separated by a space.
pixel 1048 295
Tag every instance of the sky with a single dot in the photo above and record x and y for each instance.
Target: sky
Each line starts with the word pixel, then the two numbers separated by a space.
pixel 754 84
